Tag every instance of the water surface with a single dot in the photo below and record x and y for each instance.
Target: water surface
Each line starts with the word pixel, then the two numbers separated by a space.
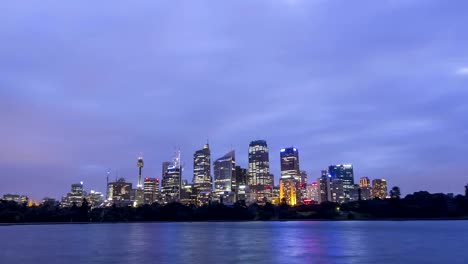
pixel 238 242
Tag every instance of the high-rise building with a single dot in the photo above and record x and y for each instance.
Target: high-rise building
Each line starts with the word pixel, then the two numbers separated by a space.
pixel 288 190
pixel 290 163
pixel 12 197
pixel 290 169
pixel 202 180
pixel 344 173
pixel 337 191
pixel 379 188
pixel 325 188
pixel 364 182
pixel 119 190
pixel 94 198
pixel 171 181
pixel 225 177
pixel 150 190
pixel 187 195
pixel 259 179
pixel 140 165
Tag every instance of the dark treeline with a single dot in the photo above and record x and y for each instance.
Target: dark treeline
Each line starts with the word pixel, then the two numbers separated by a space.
pixel 420 205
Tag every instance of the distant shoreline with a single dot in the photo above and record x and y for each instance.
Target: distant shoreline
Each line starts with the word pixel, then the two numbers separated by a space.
pixel 232 221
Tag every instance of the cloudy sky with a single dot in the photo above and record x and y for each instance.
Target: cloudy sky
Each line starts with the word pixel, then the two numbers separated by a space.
pixel 88 85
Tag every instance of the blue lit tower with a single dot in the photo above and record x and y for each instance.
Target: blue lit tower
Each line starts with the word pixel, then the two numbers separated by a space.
pixel 140 165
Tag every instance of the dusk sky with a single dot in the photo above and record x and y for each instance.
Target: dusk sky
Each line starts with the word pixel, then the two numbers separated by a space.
pixel 86 86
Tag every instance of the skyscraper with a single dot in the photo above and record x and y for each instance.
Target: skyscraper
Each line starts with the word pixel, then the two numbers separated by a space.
pixel 379 188
pixel 259 179
pixel 140 165
pixel 304 177
pixel 344 173
pixel 151 190
pixel 171 181
pixel 202 180
pixel 313 192
pixel 364 182
pixel 290 171
pixel 290 163
pixel 77 194
pixel 225 176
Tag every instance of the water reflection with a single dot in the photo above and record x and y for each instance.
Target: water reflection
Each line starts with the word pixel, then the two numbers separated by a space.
pixel 232 242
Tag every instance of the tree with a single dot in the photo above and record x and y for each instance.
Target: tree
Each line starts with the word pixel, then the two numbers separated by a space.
pixel 466 190
pixel 395 192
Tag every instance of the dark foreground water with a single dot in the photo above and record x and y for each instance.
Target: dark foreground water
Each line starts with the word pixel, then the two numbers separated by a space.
pixel 238 242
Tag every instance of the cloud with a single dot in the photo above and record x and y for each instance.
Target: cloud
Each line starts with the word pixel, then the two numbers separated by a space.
pixel 462 71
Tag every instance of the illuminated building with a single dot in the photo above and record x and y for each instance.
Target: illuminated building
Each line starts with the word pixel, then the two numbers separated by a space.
pixel 290 168
pixel 77 194
pixel 288 190
pixel 202 180
pixel 47 201
pixel 337 191
pixel 241 182
pixel 119 190
pixel 313 192
pixel 140 165
pixel 225 177
pixel 325 188
pixel 171 181
pixel 379 188
pixel 344 173
pixel 12 197
pixel 186 193
pixel 364 182
pixel 259 179
pixel 290 163
pixel 94 198
pixel 275 195
pixel 150 190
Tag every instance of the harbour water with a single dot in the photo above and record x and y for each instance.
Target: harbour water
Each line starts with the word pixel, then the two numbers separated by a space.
pixel 238 242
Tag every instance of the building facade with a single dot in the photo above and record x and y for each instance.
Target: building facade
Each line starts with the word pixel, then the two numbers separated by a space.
pixel 150 190
pixel 345 173
pixel 171 182
pixel 119 190
pixel 202 180
pixel 225 177
pixel 379 189
pixel 259 179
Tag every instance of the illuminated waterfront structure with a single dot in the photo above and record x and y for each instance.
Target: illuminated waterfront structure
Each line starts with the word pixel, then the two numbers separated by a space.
pixel 379 188
pixel 119 190
pixel 259 179
pixel 77 194
pixel 313 192
pixel 171 181
pixel 365 189
pixel 225 177
pixel 150 190
pixel 94 198
pixel 337 191
pixel 288 190
pixel 202 180
pixel 140 165
pixel 344 173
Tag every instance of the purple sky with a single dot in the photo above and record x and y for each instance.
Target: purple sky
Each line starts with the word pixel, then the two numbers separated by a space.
pixel 88 86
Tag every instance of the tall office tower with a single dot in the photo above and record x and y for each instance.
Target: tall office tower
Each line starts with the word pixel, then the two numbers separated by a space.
pixel 290 168
pixel 119 190
pixel 171 181
pixel 344 173
pixel 271 181
pixel 259 169
pixel 379 188
pixel 364 182
pixel 225 176
pixel 165 165
pixel 140 167
pixel 202 180
pixel 288 190
pixel 150 190
pixel 290 163
pixel 313 192
pixel 325 188
pixel 304 177
pixel 187 195
pixel 77 194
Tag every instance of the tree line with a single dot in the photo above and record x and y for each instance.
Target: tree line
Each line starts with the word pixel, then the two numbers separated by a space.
pixel 419 205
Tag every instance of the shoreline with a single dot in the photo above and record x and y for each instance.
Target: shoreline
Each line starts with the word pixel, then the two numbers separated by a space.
pixel 240 221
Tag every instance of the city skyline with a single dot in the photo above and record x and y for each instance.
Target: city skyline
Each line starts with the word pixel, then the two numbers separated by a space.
pixel 80 95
